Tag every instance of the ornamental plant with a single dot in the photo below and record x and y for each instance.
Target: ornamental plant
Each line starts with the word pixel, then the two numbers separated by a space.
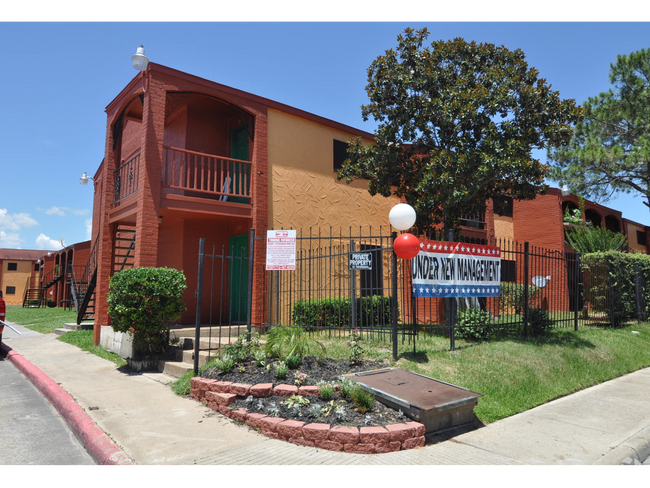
pixel 145 301
pixel 356 351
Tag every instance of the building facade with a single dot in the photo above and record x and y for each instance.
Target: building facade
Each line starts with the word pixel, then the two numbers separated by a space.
pixel 187 158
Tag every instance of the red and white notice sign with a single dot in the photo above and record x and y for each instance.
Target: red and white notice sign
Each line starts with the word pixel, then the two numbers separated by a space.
pixel 281 249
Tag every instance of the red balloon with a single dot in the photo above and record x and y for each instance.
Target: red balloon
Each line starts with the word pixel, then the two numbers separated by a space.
pixel 406 246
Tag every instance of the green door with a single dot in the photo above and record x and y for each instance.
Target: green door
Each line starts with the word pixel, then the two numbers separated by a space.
pixel 238 279
pixel 240 172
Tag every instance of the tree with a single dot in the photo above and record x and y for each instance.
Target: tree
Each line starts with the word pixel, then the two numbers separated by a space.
pixel 610 149
pixel 457 122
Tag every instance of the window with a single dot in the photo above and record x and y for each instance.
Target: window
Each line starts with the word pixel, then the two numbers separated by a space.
pixel 640 237
pixel 12 266
pixel 37 267
pixel 11 290
pixel 503 206
pixel 340 153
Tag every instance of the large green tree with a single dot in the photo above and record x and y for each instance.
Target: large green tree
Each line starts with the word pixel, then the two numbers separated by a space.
pixel 456 125
pixel 610 149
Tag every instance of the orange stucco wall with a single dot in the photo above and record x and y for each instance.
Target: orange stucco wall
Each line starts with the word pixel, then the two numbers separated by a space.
pixel 632 240
pixel 304 191
pixel 17 278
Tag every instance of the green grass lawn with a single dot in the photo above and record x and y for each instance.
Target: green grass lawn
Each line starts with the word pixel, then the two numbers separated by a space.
pixel 514 375
pixel 45 320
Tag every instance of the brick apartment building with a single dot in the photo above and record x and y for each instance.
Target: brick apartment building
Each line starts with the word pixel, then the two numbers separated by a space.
pixel 187 158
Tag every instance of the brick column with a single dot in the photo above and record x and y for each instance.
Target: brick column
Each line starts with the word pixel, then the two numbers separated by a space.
pixel 151 160
pixel 260 213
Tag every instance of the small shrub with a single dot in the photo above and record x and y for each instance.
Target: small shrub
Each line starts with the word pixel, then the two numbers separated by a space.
pixel 539 321
pixel 325 390
pixel 356 351
pixel 513 296
pixel 293 361
pixel 362 399
pixel 346 387
pixel 260 359
pixel 473 324
pixel 242 349
pixel 145 301
pixel 281 370
pixel 225 363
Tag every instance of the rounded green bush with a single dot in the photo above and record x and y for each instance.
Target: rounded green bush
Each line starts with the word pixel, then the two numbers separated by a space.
pixel 145 301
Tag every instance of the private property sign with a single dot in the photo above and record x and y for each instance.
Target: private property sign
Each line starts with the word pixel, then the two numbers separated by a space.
pixel 454 269
pixel 281 249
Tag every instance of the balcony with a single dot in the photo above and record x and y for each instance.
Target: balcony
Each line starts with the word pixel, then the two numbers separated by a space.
pixel 126 179
pixel 207 180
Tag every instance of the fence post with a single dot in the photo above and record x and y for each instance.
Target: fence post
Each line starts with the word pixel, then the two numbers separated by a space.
pixel 576 295
pixel 526 265
pixel 199 304
pixel 249 305
pixel 394 298
pixel 610 293
pixel 640 312
pixel 451 309
pixel 353 291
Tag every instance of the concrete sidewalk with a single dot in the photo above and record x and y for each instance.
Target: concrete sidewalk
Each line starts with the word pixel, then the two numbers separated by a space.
pixel 604 424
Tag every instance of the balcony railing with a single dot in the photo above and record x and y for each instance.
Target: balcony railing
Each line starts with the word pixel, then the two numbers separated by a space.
pixel 208 175
pixel 473 221
pixel 126 178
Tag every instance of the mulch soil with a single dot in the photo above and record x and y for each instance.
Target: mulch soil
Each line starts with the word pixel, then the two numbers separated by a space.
pixel 337 411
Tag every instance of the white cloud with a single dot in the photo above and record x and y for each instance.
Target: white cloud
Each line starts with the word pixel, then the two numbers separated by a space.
pixel 45 243
pixel 61 211
pixel 55 211
pixel 89 228
pixel 15 221
pixel 10 241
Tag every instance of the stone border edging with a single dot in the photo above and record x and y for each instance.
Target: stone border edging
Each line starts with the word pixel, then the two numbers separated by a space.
pixel 219 395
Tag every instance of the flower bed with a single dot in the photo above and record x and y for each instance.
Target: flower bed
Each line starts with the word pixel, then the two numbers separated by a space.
pixel 221 395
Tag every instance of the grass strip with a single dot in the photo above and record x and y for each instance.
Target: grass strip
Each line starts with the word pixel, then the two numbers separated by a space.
pixel 83 339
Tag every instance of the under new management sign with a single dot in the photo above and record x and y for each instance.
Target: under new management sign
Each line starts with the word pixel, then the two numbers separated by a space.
pixel 453 269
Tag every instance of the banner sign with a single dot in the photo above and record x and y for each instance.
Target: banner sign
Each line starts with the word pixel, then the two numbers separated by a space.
pixel 454 269
pixel 360 260
pixel 281 249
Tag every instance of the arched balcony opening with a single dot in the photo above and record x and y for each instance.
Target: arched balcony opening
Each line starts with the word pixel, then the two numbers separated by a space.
pixel 207 146
pixel 593 217
pixel 127 145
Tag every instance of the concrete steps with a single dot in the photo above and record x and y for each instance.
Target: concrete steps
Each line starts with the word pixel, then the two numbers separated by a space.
pixel 73 326
pixel 210 339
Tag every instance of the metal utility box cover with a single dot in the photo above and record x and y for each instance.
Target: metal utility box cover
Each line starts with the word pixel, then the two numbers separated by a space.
pixel 436 404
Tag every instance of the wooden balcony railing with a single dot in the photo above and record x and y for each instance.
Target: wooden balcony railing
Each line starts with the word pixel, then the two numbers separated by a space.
pixel 226 178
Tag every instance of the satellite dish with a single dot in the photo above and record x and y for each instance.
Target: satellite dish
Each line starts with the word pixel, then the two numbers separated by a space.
pixel 540 281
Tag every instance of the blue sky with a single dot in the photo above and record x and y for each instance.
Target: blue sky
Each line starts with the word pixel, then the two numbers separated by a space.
pixel 57 78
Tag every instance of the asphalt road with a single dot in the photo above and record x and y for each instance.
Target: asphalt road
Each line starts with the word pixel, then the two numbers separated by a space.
pixel 31 430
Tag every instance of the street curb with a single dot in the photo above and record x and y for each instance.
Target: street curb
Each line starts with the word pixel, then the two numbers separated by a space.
pixel 103 450
pixel 636 448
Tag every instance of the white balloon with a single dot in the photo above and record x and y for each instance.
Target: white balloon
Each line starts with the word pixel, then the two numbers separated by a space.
pixel 402 216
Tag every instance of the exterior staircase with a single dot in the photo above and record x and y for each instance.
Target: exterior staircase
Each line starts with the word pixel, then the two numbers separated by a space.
pixel 83 290
pixel 34 297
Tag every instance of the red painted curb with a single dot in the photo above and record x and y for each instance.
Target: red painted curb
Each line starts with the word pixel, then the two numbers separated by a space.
pixel 103 450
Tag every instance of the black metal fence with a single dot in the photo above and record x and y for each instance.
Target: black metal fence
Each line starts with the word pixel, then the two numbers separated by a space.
pixel 352 280
pixel 342 282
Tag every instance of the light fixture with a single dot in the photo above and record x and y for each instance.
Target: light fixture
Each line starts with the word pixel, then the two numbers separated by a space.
pixel 565 191
pixel 84 179
pixel 140 61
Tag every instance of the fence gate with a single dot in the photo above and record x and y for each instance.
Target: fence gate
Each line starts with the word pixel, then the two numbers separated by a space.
pixel 223 295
